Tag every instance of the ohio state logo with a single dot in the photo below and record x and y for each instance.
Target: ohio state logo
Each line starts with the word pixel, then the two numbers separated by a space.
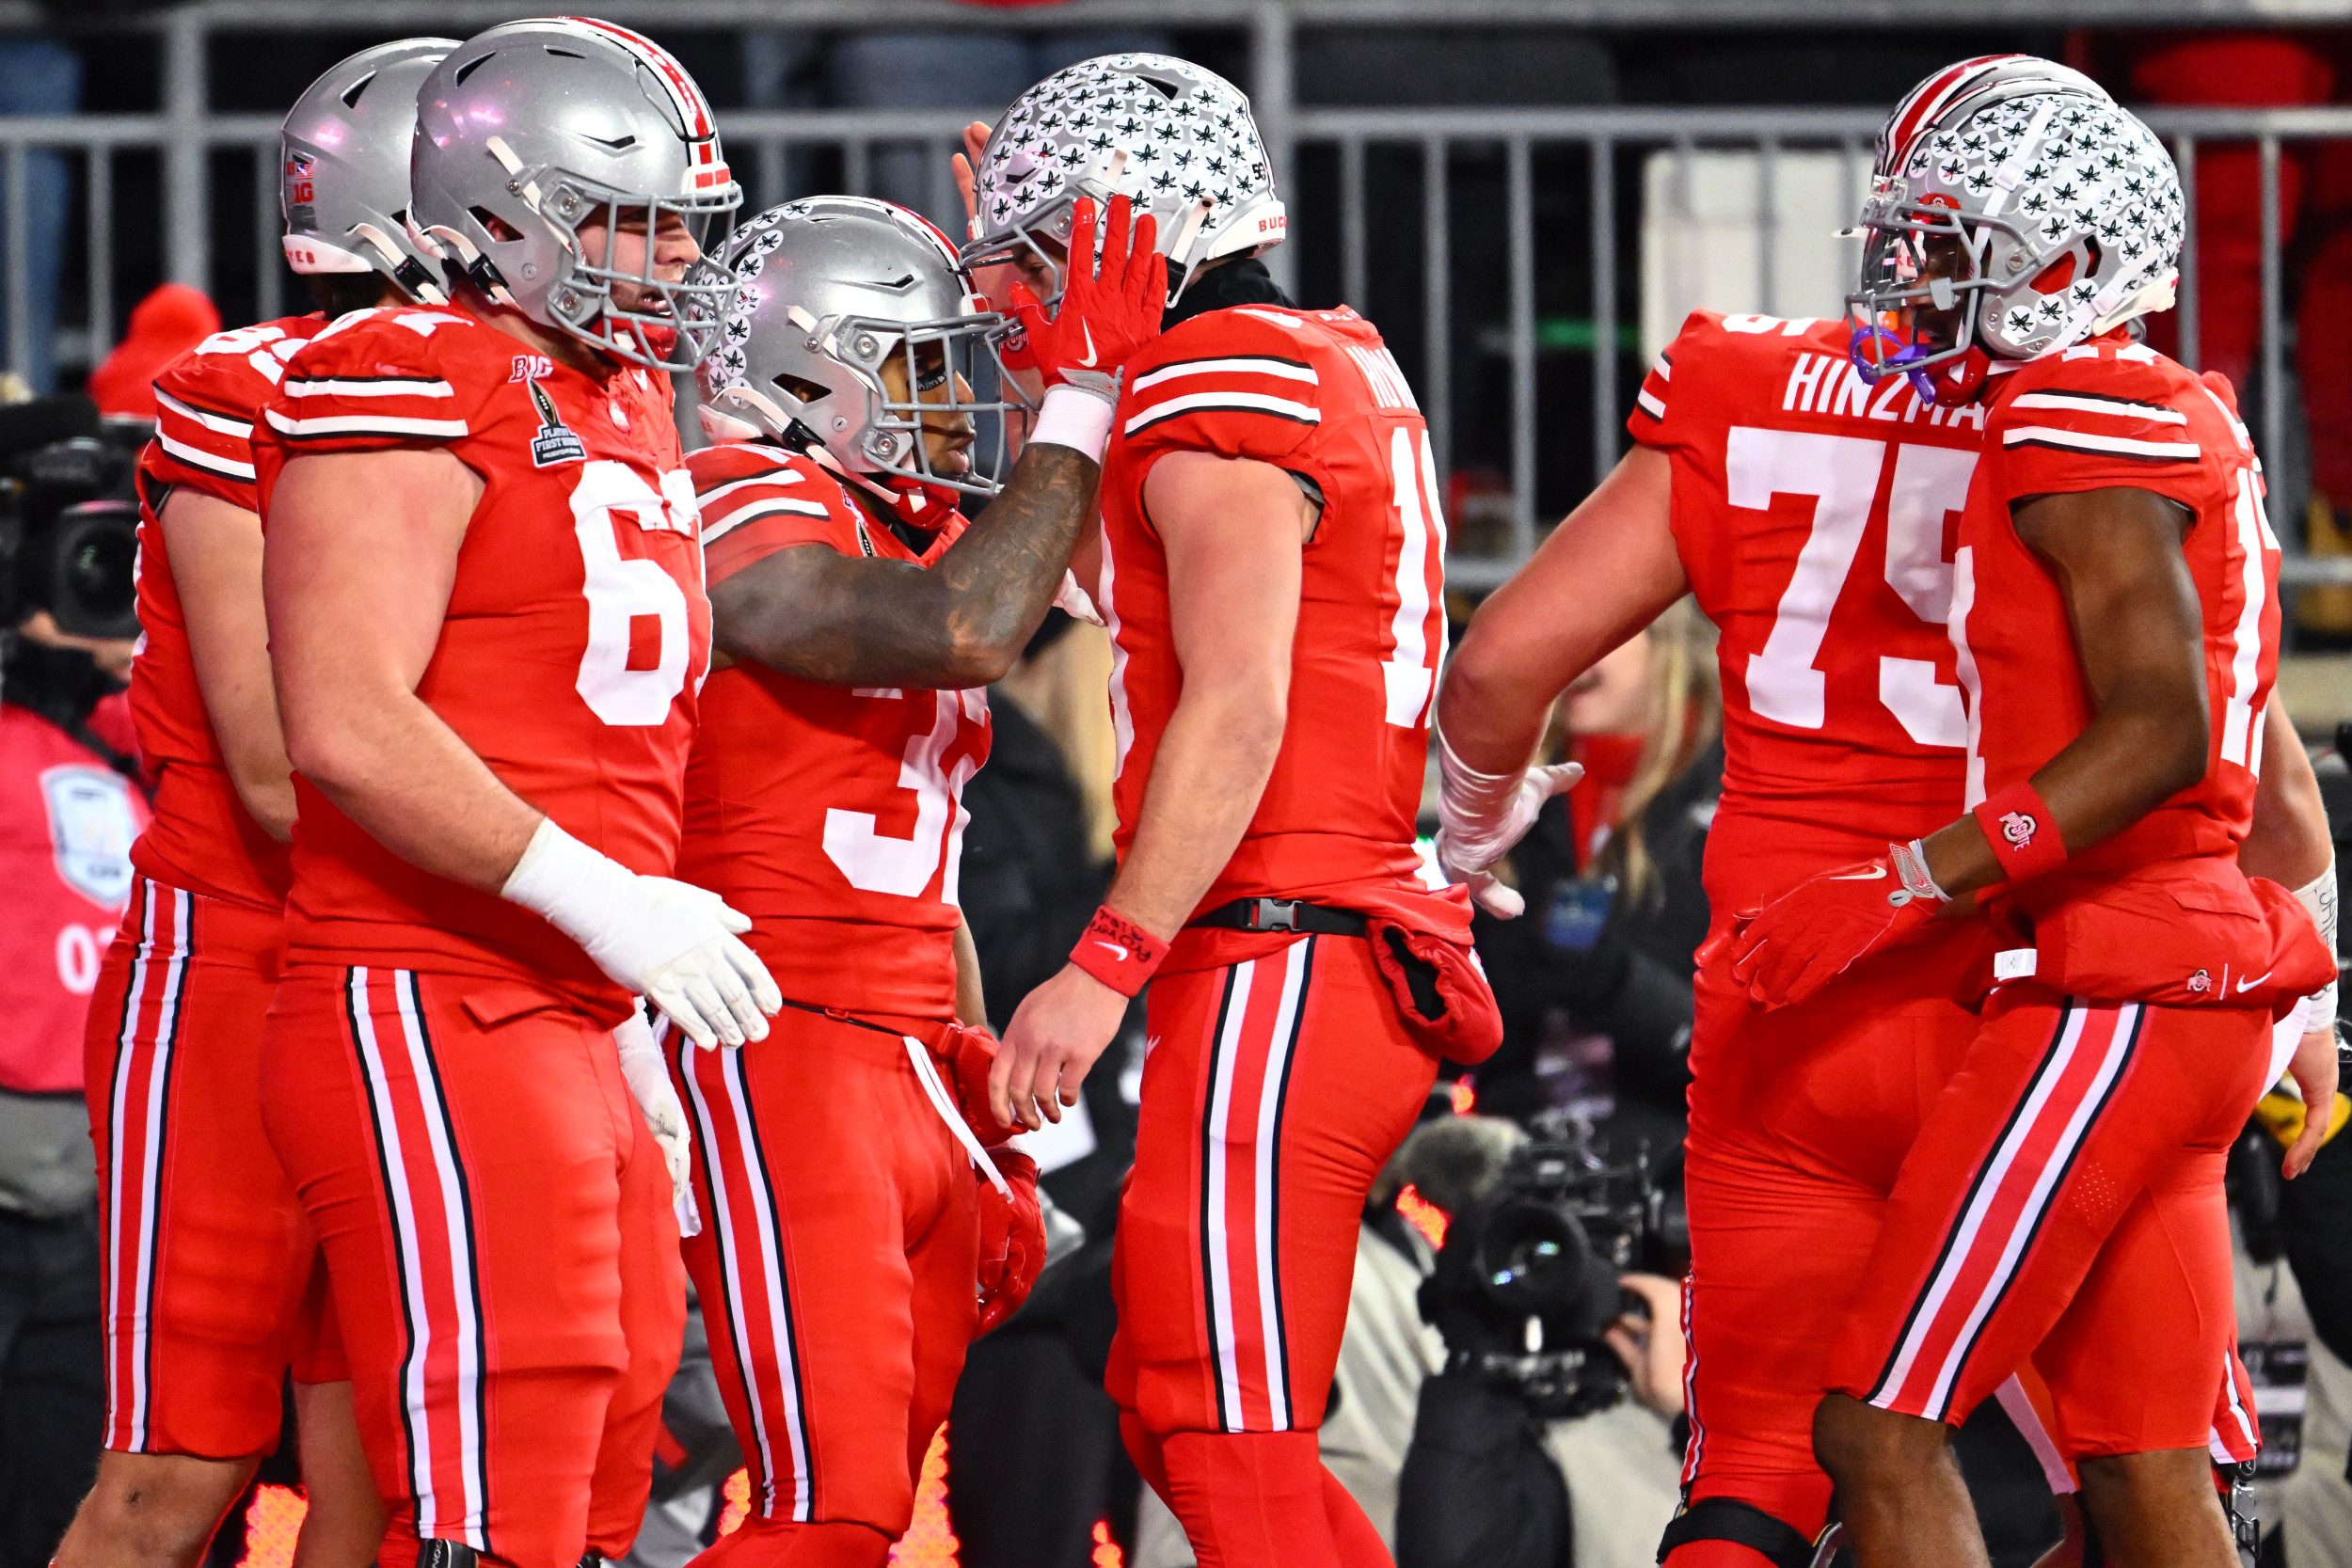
pixel 2019 828
pixel 2200 981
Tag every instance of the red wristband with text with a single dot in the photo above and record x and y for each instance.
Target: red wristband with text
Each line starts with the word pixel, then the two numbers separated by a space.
pixel 2024 835
pixel 1117 951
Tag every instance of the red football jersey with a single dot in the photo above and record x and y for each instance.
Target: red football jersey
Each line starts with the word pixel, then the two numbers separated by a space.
pixel 206 401
pixel 1816 515
pixel 832 815
pixel 2114 415
pixel 1314 393
pixel 575 642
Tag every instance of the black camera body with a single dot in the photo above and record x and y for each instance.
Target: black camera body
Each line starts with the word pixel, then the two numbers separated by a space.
pixel 69 517
pixel 1526 1283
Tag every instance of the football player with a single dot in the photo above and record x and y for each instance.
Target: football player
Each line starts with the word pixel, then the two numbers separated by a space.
pixel 484 585
pixel 2114 612
pixel 1808 510
pixel 863 617
pixel 213 1285
pixel 1272 570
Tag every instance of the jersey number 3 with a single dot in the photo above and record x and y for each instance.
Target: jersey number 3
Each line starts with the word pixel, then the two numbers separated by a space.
pixel 1841 473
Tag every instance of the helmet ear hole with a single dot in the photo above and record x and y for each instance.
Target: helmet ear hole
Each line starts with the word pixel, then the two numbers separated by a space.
pixel 799 386
pixel 495 225
pixel 2056 275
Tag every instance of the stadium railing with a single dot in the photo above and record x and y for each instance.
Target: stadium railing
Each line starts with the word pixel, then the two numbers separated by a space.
pixel 1494 244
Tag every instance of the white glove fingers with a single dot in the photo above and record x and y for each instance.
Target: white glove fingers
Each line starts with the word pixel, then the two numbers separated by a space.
pixel 1496 900
pixel 736 998
pixel 761 984
pixel 732 919
pixel 687 997
pixel 665 995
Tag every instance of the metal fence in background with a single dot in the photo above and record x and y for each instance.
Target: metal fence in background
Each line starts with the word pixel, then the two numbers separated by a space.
pixel 1503 251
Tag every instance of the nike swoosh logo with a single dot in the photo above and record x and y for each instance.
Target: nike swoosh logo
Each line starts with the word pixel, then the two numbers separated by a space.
pixel 1116 951
pixel 2244 986
pixel 1870 874
pixel 1087 363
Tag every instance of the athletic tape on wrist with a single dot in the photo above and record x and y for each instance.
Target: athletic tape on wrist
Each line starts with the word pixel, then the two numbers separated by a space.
pixel 1075 418
pixel 1117 951
pixel 2318 898
pixel 2023 835
pixel 1911 869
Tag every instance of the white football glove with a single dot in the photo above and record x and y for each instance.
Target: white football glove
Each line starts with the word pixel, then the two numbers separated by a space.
pixel 1481 815
pixel 649 1084
pixel 670 942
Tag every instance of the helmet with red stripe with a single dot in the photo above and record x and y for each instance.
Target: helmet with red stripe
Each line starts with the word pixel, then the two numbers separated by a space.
pixel 2016 210
pixel 534 131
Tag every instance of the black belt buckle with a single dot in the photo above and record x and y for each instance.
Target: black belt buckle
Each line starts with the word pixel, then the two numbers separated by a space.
pixel 1273 914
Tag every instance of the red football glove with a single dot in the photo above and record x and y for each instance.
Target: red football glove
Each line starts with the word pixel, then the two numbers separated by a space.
pixel 1110 309
pixel 1802 941
pixel 970 1052
pixel 1012 1237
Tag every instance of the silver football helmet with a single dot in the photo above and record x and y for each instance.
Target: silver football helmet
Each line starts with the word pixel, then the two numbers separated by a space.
pixel 535 129
pixel 2016 209
pixel 839 297
pixel 1175 138
pixel 344 184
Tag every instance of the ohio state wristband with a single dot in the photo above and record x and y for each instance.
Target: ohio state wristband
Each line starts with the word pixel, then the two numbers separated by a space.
pixel 2024 835
pixel 1117 951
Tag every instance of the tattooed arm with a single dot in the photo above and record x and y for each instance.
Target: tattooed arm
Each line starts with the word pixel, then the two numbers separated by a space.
pixel 852 621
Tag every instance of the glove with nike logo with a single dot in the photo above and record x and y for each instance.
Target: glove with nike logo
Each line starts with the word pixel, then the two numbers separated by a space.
pixel 1786 952
pixel 670 942
pixel 1108 311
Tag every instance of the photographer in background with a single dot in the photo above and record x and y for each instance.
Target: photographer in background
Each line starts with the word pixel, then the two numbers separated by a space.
pixel 1547 1436
pixel 70 806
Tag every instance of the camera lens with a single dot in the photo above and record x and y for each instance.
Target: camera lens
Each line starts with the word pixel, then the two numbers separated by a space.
pixel 94 586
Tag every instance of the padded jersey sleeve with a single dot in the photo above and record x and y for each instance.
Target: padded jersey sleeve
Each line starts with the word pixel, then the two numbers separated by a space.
pixel 374 381
pixel 206 402
pixel 1240 382
pixel 757 500
pixel 2099 423
pixel 1649 423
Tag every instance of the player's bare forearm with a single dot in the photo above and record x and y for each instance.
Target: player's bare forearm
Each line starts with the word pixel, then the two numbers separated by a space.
pixel 2140 636
pixel 2288 840
pixel 215 549
pixel 1212 766
pixel 363 553
pixel 848 621
pixel 971 997
pixel 1606 572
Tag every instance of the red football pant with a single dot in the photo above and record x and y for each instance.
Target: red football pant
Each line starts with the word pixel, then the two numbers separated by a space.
pixel 838 1269
pixel 2065 1194
pixel 207 1262
pixel 497 1228
pixel 1273 1092
pixel 1800 1119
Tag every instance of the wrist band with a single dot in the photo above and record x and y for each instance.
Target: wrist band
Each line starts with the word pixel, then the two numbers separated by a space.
pixel 1075 418
pixel 1117 951
pixel 2023 835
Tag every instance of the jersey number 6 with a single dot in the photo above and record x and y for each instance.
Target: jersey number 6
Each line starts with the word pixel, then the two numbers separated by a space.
pixel 623 592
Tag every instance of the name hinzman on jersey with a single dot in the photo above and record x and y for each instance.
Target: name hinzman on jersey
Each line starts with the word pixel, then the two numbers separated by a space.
pixel 1830 384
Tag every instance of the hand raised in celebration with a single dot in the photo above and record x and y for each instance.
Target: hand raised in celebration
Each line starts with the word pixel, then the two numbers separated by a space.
pixel 1110 306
